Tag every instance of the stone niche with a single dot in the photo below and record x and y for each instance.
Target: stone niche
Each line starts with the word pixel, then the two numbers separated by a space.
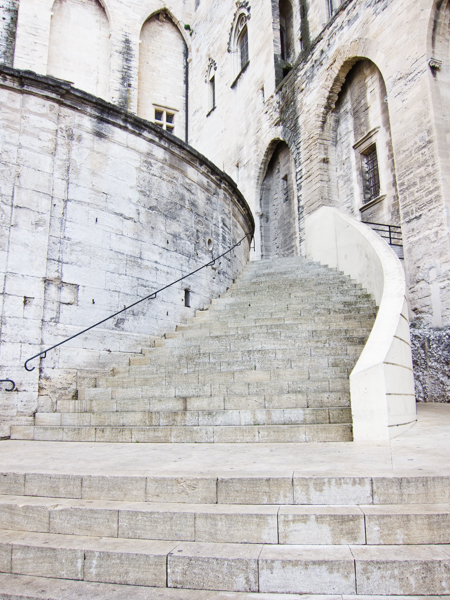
pixel 99 208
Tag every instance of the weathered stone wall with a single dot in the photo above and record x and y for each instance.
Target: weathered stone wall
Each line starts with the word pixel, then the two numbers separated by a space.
pixel 396 37
pixel 431 359
pixel 78 47
pixel 8 24
pixel 98 209
pixel 43 37
pixel 406 97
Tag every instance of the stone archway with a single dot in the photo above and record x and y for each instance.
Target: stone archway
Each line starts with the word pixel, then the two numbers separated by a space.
pixel 279 219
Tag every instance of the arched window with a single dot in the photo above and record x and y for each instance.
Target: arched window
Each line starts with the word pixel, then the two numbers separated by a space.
pixel 238 44
pixel 243 45
pixel 162 74
pixel 210 80
pixel 79 49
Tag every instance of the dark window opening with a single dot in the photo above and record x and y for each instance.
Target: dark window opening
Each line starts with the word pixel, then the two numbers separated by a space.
pixel 371 174
pixel 212 93
pixel 283 42
pixel 187 298
pixel 243 47
pixel 285 188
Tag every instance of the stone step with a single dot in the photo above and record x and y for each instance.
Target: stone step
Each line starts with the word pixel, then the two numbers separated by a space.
pixel 168 374
pixel 201 384
pixel 23 587
pixel 240 524
pixel 290 329
pixel 340 337
pixel 219 434
pixel 344 311
pixel 291 489
pixel 295 416
pixel 201 355
pixel 255 343
pixel 229 567
pixel 122 400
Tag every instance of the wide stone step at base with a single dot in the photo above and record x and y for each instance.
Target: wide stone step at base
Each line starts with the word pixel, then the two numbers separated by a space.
pixel 24 587
pixel 188 434
pixel 241 524
pixel 298 569
pixel 292 489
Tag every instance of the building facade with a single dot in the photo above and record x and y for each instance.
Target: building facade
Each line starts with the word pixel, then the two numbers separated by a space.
pixel 303 103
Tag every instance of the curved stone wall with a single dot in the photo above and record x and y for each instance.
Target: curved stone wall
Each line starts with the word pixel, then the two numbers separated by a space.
pixel 98 209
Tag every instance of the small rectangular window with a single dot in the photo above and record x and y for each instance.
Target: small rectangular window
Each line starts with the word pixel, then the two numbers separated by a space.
pixel 187 298
pixel 371 174
pixel 165 119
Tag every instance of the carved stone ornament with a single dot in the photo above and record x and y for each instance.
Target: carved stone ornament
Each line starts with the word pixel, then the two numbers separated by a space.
pixel 435 64
pixel 212 66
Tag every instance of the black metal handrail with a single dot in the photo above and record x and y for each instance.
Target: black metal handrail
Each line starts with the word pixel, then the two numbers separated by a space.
pixel 149 297
pixel 391 233
pixel 11 389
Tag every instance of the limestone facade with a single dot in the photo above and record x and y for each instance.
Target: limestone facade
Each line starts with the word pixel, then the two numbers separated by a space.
pixel 330 103
pixel 98 210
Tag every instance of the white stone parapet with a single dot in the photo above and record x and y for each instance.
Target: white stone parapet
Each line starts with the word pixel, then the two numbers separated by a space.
pixel 382 382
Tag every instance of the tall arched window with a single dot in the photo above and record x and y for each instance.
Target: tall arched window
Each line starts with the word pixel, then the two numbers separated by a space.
pixel 238 44
pixel 79 49
pixel 243 45
pixel 162 74
pixel 210 80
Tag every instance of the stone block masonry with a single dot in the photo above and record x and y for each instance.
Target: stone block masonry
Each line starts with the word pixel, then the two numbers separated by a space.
pixel 98 209
pixel 8 22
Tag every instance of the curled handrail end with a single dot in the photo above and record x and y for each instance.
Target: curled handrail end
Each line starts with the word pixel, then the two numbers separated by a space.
pixel 26 365
pixel 12 384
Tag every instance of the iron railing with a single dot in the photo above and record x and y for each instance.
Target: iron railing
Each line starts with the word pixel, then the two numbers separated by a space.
pixel 391 233
pixel 151 296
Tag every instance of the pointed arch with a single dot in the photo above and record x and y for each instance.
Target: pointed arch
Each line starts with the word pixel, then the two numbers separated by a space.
pixel 79 45
pixel 278 202
pixel 163 75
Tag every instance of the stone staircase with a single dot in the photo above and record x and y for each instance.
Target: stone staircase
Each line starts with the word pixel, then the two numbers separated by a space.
pixel 284 535
pixel 268 362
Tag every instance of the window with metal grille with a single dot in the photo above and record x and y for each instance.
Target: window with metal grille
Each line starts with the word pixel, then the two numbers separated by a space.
pixel 371 175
